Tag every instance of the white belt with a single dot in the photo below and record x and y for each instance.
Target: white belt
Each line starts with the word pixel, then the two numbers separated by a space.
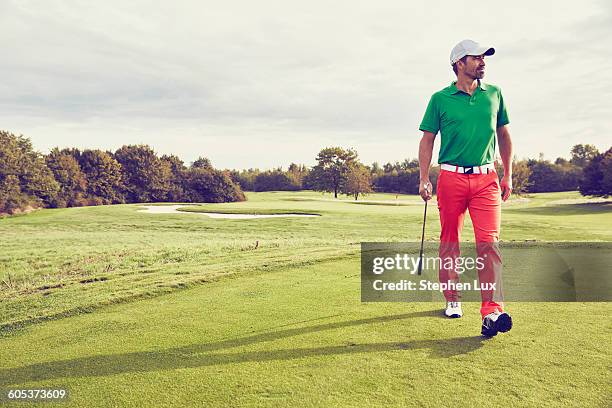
pixel 484 169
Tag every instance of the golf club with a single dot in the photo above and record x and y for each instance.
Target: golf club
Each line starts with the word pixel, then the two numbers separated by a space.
pixel 422 238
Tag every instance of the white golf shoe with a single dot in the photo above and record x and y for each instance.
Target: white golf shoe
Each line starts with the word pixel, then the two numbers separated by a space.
pixel 453 309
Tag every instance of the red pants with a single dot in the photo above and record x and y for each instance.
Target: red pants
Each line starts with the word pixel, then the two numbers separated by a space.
pixel 481 195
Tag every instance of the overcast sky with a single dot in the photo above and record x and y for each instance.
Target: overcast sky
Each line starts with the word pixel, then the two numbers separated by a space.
pixel 265 83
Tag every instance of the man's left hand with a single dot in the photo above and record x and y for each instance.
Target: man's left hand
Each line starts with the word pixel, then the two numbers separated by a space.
pixel 506 187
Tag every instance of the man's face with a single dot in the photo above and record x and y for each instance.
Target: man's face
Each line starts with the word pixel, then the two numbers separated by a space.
pixel 474 66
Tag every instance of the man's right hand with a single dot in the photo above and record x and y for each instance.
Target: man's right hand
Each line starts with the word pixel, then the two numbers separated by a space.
pixel 425 189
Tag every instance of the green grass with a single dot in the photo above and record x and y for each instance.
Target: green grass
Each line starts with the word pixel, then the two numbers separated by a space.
pixel 269 314
pixel 223 209
pixel 381 203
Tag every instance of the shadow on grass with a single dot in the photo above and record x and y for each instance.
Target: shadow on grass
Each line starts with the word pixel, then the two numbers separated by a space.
pixel 564 209
pixel 202 355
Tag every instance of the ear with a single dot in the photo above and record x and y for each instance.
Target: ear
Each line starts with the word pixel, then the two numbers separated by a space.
pixel 459 64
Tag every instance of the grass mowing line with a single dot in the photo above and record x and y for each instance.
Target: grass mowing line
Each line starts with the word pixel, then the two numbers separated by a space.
pixel 131 264
pixel 12 327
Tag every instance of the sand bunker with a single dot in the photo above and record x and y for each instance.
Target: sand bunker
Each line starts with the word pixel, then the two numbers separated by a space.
pixel 173 209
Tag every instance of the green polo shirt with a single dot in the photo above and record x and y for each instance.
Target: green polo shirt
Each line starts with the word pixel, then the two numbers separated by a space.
pixel 467 124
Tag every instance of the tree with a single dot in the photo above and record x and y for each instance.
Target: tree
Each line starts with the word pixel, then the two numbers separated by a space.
pixel 520 176
pixel 145 176
pixel 202 163
pixel 72 151
pixel 38 181
pixel 521 171
pixel 597 176
pixel 297 173
pixel 67 172
pixel 11 197
pixel 104 177
pixel 377 171
pixel 211 186
pixel 401 177
pixel 177 171
pixel 359 180
pixel 32 183
pixel 388 183
pixel 583 154
pixel 275 180
pixel 547 177
pixel 606 169
pixel 245 178
pixel 409 164
pixel 331 172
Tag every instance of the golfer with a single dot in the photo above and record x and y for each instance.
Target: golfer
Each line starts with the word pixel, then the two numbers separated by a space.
pixel 469 114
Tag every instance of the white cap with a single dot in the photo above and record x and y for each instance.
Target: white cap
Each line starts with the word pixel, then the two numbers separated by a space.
pixel 469 47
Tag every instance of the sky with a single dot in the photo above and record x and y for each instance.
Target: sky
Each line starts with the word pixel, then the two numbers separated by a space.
pixel 266 83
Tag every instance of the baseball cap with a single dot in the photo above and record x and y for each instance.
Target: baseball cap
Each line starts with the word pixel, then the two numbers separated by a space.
pixel 469 47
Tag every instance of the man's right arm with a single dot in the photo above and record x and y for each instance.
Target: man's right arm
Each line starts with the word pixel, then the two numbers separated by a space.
pixel 425 153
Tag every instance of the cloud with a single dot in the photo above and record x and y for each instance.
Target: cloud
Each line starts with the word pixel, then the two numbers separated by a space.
pixel 270 82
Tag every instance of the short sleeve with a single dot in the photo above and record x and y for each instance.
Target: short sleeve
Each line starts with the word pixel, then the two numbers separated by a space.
pixel 502 113
pixel 431 119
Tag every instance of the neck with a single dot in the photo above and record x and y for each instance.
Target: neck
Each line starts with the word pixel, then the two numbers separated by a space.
pixel 466 84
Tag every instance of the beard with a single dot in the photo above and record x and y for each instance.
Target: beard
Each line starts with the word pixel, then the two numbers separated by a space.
pixel 479 74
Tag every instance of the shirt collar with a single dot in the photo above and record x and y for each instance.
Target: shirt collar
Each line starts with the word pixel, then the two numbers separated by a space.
pixel 453 87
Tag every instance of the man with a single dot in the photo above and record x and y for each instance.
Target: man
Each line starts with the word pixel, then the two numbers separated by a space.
pixel 468 114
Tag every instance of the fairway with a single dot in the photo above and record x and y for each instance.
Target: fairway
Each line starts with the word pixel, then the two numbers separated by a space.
pixel 125 308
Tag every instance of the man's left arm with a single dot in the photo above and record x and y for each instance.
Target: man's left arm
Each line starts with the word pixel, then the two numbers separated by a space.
pixel 505 151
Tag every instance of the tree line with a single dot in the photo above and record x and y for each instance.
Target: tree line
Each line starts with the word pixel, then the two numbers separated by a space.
pixel 132 174
pixel 339 171
pixel 71 177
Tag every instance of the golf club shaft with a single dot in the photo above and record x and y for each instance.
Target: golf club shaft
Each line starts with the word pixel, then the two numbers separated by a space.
pixel 422 240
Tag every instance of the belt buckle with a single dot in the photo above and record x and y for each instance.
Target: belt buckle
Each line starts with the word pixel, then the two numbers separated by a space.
pixel 468 170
